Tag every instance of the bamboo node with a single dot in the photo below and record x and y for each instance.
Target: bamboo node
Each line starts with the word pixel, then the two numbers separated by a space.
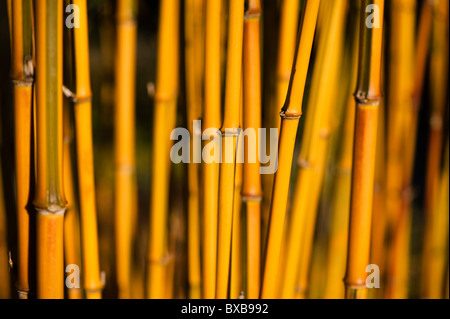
pixel 364 98
pixel 288 115
pixel 163 261
pixel 251 198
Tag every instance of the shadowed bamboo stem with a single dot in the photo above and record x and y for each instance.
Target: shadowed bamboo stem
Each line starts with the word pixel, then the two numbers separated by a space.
pixel 399 137
pixel 313 154
pixel 236 272
pixel 230 131
pixel 125 185
pixel 438 241
pixel 164 122
pixel 367 97
pixel 290 115
pixel 4 267
pixel 212 119
pixel 438 85
pixel 252 192
pixel 194 35
pixel 85 157
pixel 337 249
pixel 22 76
pixel 71 219
pixel 49 200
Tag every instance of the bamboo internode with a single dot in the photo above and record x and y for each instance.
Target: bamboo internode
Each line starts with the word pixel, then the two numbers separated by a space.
pixel 125 182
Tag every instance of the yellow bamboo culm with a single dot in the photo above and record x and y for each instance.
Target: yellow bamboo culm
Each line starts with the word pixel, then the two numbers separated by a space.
pixel 313 154
pixel 4 267
pixel 230 131
pixel 72 254
pixel 22 76
pixel 125 166
pixel 85 157
pixel 49 200
pixel 340 206
pixel 400 104
pixel 212 120
pixel 252 191
pixel 236 271
pixel 431 268
pixel 367 97
pixel 164 122
pixel 290 12
pixel 438 84
pixel 194 35
pixel 290 115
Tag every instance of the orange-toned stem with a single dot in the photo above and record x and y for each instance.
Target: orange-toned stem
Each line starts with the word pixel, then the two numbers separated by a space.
pixel 22 75
pixel 164 122
pixel 290 115
pixel 125 167
pixel 367 97
pixel 212 119
pixel 252 191
pixel 49 200
pixel 230 133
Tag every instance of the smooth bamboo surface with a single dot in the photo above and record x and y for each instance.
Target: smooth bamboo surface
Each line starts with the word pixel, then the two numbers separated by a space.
pixel 313 154
pixel 367 97
pixel 212 119
pixel 230 127
pixel 164 122
pixel 290 116
pixel 252 190
pixel 125 166
pixel 49 200
pixel 85 158
pixel 22 76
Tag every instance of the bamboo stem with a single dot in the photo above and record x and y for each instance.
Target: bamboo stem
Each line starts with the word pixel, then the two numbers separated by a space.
pixel 4 267
pixel 212 119
pixel 164 122
pixel 438 84
pixel 49 200
pixel 367 97
pixel 230 131
pixel 22 76
pixel 340 206
pixel 252 192
pixel 290 116
pixel 125 166
pixel 313 154
pixel 399 134
pixel 85 158
pixel 194 34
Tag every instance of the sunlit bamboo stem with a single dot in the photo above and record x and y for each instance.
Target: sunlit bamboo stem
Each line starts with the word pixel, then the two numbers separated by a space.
pixel 125 185
pixel 230 131
pixel 212 119
pixel 85 157
pixel 22 76
pixel 49 200
pixel 252 192
pixel 313 154
pixel 367 97
pixel 164 122
pixel 290 115
pixel 194 36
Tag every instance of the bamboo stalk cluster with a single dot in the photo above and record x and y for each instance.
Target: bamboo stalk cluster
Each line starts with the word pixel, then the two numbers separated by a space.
pixel 357 93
